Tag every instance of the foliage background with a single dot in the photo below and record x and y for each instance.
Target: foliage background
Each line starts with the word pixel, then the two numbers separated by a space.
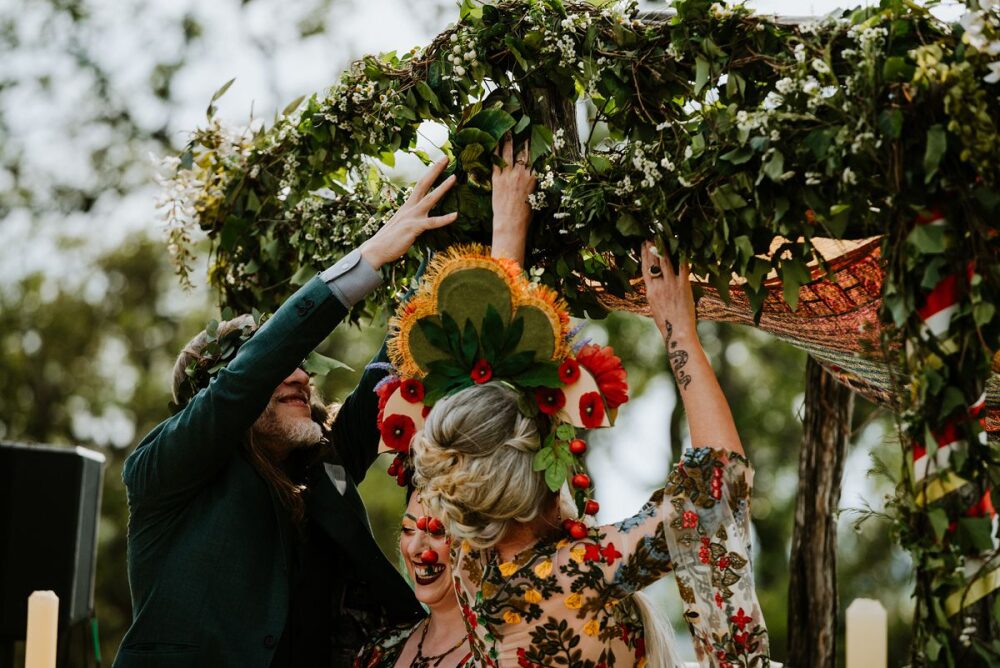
pixel 91 315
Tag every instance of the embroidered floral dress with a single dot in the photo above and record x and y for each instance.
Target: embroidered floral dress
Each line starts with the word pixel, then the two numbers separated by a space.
pixel 569 603
pixel 384 649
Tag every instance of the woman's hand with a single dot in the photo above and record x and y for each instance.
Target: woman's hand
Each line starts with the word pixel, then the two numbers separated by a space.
pixel 395 237
pixel 669 295
pixel 670 299
pixel 512 184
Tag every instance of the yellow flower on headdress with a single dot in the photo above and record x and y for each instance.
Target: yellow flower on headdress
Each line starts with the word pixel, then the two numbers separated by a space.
pixel 544 569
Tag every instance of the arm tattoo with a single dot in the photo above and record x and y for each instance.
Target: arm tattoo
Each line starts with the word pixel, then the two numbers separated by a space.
pixel 678 358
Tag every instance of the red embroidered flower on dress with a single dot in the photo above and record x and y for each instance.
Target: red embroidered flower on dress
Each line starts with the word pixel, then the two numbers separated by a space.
pixel 569 371
pixel 741 638
pixel 723 563
pixel 610 553
pixel 741 619
pixel 607 370
pixel 481 372
pixel 397 432
pixel 412 390
pixel 591 410
pixel 718 599
pixel 592 552
pixel 470 616
pixel 689 519
pixel 550 400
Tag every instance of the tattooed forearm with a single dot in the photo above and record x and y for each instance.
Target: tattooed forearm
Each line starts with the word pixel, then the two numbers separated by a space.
pixel 678 358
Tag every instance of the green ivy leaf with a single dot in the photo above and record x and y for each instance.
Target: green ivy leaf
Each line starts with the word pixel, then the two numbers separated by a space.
pixel 543 459
pixel 701 74
pixel 495 122
pixel 937 144
pixel 320 365
pixel 555 475
pixel 565 432
pixel 794 274
pixel 541 141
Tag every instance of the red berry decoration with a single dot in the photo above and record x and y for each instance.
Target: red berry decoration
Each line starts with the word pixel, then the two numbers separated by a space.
pixel 435 526
pixel 578 446
pixel 422 523
pixel 591 507
pixel 567 524
pixel 429 557
pixel 578 531
pixel 581 481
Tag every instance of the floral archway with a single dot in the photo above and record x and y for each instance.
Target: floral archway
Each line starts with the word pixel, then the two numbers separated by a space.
pixel 836 183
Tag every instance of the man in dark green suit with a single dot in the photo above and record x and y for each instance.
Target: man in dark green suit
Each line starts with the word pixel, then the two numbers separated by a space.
pixel 238 553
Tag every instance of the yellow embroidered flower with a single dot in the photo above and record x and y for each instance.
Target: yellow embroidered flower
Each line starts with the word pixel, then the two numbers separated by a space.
pixel 466 546
pixel 576 554
pixel 562 543
pixel 591 628
pixel 610 604
pixel 511 617
pixel 544 569
pixel 533 596
pixel 489 589
pixel 574 601
pixel 508 568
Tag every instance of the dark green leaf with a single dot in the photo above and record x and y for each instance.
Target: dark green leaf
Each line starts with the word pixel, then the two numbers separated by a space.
pixel 539 375
pixel 470 344
pixel 937 144
pixel 435 334
pixel 541 141
pixel 495 122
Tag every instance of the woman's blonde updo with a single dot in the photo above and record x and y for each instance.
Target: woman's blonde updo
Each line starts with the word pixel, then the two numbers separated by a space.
pixel 473 464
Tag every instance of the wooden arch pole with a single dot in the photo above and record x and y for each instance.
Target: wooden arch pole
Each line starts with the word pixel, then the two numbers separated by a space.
pixel 812 589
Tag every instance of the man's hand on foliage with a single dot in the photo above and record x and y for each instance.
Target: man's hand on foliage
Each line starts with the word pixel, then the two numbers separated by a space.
pixel 395 237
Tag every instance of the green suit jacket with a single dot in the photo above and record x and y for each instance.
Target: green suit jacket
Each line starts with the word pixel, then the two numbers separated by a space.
pixel 207 543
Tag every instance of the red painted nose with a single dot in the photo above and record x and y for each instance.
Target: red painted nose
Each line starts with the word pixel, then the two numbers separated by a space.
pixel 429 557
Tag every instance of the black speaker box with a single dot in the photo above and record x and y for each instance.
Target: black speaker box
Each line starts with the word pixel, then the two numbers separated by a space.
pixel 50 502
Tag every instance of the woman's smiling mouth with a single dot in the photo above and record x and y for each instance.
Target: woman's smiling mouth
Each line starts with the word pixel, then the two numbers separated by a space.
pixel 426 574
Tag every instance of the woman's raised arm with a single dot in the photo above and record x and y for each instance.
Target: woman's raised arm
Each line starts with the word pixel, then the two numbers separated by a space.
pixel 670 299
pixel 512 184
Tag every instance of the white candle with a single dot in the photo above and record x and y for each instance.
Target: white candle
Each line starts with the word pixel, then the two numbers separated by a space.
pixel 43 626
pixel 867 634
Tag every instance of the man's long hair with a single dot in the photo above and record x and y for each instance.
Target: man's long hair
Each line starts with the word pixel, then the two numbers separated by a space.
pixel 287 482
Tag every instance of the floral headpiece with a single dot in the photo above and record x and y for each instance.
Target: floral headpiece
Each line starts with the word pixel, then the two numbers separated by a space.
pixel 220 349
pixel 476 319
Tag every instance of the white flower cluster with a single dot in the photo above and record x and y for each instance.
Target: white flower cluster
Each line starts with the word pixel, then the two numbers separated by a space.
pixel 748 121
pixel 460 55
pixel 559 139
pixel 648 166
pixel 982 33
pixel 721 11
pixel 871 40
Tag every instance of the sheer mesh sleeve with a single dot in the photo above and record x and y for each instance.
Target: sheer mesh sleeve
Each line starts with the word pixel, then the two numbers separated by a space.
pixel 707 527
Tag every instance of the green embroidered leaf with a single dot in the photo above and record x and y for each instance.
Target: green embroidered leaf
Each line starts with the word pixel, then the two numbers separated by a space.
pixel 565 432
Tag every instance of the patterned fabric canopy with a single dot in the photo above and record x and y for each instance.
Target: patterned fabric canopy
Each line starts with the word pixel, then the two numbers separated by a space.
pixel 836 321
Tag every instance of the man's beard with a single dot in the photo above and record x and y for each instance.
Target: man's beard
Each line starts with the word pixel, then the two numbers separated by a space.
pixel 284 435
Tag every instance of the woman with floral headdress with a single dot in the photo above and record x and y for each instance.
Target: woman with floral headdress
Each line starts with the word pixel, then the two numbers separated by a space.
pixel 497 458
